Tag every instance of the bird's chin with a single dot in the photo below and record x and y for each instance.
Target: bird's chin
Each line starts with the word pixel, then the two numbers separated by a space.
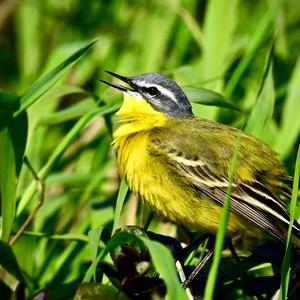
pixel 130 103
pixel 134 106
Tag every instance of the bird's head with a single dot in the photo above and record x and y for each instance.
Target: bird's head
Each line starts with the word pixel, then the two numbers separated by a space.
pixel 162 93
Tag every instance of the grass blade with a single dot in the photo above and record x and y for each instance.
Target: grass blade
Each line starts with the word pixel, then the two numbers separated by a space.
pixel 285 270
pixel 9 262
pixel 94 239
pixel 208 97
pixel 257 39
pixel 289 132
pixel 72 112
pixel 120 202
pixel 262 112
pixel 9 102
pixel 218 28
pixel 164 265
pixel 41 86
pixel 60 149
pixel 8 182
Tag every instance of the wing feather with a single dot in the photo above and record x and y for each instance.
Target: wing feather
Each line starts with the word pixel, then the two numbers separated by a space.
pixel 251 200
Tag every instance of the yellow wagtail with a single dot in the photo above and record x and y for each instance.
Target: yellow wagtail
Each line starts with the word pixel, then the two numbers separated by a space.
pixel 179 164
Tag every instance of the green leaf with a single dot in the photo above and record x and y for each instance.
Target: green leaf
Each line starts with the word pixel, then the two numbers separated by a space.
pixel 286 269
pixel 72 112
pixel 13 136
pixel 8 182
pixel 66 237
pixel 9 102
pixel 260 34
pixel 262 112
pixel 208 97
pixel 9 262
pixel 28 37
pixel 220 21
pixel 60 149
pixel 165 266
pixel 120 202
pixel 41 86
pixel 18 127
pixel 94 239
pixel 65 258
pixel 289 131
pixel 19 131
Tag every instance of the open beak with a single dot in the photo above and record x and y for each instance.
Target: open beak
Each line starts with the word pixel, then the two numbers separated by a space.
pixel 120 87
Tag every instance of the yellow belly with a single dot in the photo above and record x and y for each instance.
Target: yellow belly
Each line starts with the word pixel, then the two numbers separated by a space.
pixel 164 191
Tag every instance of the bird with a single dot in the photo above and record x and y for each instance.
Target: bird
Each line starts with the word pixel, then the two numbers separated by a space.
pixel 179 164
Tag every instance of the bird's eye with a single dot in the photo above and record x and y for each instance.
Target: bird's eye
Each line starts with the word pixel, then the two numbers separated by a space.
pixel 153 91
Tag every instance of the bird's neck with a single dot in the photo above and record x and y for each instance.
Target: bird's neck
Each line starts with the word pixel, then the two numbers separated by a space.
pixel 137 115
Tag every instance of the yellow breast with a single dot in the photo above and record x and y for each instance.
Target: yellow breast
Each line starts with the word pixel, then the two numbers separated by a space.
pixel 137 118
pixel 146 175
pixel 148 178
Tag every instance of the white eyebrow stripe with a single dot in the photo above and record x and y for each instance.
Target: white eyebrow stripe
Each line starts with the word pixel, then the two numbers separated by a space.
pixel 163 90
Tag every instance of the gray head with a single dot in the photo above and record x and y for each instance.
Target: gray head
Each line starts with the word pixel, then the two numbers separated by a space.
pixel 162 93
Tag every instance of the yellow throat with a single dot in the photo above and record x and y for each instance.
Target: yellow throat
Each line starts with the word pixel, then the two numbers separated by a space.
pixel 136 115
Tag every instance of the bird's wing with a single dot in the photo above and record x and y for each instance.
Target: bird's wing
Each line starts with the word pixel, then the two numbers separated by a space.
pixel 196 163
pixel 245 200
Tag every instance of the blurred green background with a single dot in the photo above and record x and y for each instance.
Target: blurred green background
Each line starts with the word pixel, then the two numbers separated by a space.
pixel 220 45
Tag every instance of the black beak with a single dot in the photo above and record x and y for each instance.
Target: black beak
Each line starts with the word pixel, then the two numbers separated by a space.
pixel 120 87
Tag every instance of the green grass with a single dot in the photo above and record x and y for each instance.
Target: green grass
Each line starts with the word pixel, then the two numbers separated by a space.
pixel 58 170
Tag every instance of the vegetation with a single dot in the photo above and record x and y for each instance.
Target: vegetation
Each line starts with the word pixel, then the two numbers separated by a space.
pixel 61 201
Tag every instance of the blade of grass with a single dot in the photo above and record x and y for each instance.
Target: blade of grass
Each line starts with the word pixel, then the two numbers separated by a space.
pixel 289 132
pixel 9 102
pixel 13 136
pixel 69 113
pixel 41 86
pixel 165 266
pixel 56 269
pixel 207 97
pixel 262 112
pixel 218 28
pixel 8 182
pixel 94 239
pixel 29 38
pixel 9 262
pixel 213 272
pixel 19 131
pixel 190 22
pixel 66 237
pixel 185 31
pixel 220 22
pixel 256 40
pixel 285 269
pixel 60 149
pixel 164 20
pixel 120 202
